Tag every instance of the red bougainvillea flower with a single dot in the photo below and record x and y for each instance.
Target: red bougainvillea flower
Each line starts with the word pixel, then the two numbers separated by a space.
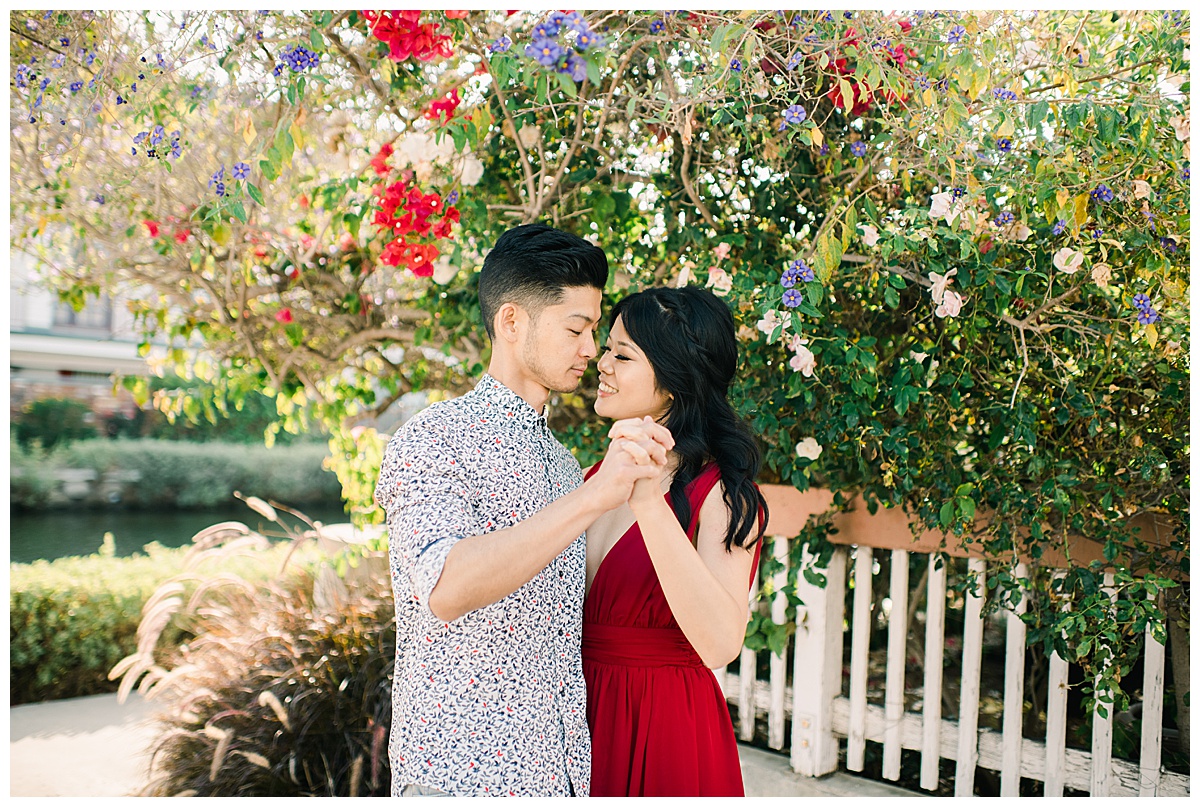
pixel 303 200
pixel 284 315
pixel 447 104
pixel 181 236
pixel 292 273
pixel 405 37
pixel 393 253
pixel 379 161
pixel 421 258
pixel 151 227
pixel 307 241
pixel 456 15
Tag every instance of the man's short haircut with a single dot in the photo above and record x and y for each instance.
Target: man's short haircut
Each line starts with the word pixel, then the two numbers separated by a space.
pixel 531 265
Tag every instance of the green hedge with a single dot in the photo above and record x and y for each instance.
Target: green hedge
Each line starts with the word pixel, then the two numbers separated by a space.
pixel 72 619
pixel 188 475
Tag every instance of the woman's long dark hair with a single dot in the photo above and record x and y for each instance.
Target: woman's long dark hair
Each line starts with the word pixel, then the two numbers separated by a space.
pixel 689 338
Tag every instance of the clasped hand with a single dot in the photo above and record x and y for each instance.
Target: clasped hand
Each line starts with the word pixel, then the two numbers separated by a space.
pixel 636 457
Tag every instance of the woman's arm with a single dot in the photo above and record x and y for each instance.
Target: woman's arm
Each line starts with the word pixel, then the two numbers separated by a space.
pixel 706 587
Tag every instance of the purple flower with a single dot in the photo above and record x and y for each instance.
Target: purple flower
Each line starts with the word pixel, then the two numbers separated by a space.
pixel 98 198
pixel 1148 316
pixel 58 61
pixel 121 100
pixel 794 60
pixel 571 64
pixel 1059 227
pixel 956 34
pixel 220 189
pixel 657 26
pixel 1141 301
pixel 824 149
pixel 501 45
pixel 790 276
pixel 958 193
pixel 575 22
pixel 858 148
pixel 217 178
pixel 794 114
pixel 452 199
pixel 792 298
pixel 91 57
pixel 1102 193
pixel 549 28
pixel 1004 95
pixel 258 36
pixel 241 171
pixel 65 42
pixel 175 149
pixel 923 82
pixel 1004 219
pixel 23 72
pixel 803 271
pixel 76 86
pixel 1168 244
pixel 140 136
pixel 278 71
pixel 196 88
pixel 587 39
pixel 1004 144
pixel 735 65
pixel 545 51
pixel 45 83
pixel 157 135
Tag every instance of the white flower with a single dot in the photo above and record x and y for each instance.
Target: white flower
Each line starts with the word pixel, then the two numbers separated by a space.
pixel 444 271
pixel 917 356
pixel 720 281
pixel 529 135
pixel 808 449
pixel 470 169
pixel 1017 231
pixel 938 290
pixel 939 206
pixel 1141 189
pixel 804 361
pixel 1101 274
pixel 1183 125
pixel 951 304
pixel 1068 260
pixel 770 321
pixel 869 235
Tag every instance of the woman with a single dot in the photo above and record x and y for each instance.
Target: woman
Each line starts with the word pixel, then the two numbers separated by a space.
pixel 669 573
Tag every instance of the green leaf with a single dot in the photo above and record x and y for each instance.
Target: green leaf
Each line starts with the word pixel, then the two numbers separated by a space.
pixel 567 85
pixel 1037 113
pixel 603 206
pixel 238 211
pixel 967 508
pixel 593 72
pixel 315 38
pixel 254 193
pixel 946 515
pixel 268 170
pixel 815 293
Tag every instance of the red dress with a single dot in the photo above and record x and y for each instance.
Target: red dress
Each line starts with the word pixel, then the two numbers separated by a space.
pixel 659 722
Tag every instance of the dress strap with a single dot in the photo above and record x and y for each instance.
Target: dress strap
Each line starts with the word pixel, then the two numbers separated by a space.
pixel 591 471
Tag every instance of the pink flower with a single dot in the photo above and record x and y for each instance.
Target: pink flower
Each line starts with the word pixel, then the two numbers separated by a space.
pixel 151 227
pixel 870 236
pixel 804 361
pixel 770 322
pixel 721 251
pixel 720 281
pixel 938 289
pixel 951 304
pixel 1068 260
pixel 284 315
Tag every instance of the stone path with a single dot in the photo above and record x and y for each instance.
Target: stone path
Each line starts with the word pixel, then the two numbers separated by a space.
pixel 95 746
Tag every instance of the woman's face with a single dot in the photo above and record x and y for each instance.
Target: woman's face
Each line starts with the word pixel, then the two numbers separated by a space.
pixel 627 388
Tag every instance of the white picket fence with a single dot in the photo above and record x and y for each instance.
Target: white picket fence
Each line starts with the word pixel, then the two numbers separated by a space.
pixel 821 715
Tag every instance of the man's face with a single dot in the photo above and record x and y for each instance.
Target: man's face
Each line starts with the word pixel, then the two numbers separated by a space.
pixel 561 340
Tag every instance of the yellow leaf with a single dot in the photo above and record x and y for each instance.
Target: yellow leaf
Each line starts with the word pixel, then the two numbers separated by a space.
pixel 1081 204
pixel 847 93
pixel 1006 129
pixel 220 234
pixel 1062 196
pixel 817 137
pixel 249 132
pixel 1152 335
pixel 927 96
pixel 297 135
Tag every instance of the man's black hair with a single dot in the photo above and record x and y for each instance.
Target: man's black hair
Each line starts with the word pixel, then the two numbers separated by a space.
pixel 532 264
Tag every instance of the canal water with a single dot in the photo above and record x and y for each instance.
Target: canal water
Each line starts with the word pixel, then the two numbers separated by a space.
pixel 56 534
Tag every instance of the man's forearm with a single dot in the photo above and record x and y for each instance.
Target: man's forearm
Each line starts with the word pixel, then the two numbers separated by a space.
pixel 483 569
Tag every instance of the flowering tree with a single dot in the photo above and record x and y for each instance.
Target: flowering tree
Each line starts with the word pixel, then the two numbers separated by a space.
pixel 956 245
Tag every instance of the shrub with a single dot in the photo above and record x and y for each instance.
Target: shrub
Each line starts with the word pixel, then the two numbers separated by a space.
pixel 72 619
pixel 31 479
pixel 190 475
pixel 54 421
pixel 285 691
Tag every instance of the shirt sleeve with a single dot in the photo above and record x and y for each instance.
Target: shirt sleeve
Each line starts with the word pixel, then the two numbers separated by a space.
pixel 422 489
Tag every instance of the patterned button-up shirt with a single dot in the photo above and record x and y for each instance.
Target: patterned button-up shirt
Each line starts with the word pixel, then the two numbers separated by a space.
pixel 493 702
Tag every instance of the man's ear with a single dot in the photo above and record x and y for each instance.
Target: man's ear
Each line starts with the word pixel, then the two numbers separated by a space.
pixel 511 319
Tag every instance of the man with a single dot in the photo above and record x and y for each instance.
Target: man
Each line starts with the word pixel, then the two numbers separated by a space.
pixel 486 511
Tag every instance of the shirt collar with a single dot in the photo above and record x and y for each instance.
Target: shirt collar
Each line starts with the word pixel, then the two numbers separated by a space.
pixel 495 393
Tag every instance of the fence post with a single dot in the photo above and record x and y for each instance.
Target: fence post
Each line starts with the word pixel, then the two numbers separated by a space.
pixel 776 717
pixel 817 677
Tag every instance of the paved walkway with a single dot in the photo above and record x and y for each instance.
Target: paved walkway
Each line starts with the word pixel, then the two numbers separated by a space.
pixel 97 747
